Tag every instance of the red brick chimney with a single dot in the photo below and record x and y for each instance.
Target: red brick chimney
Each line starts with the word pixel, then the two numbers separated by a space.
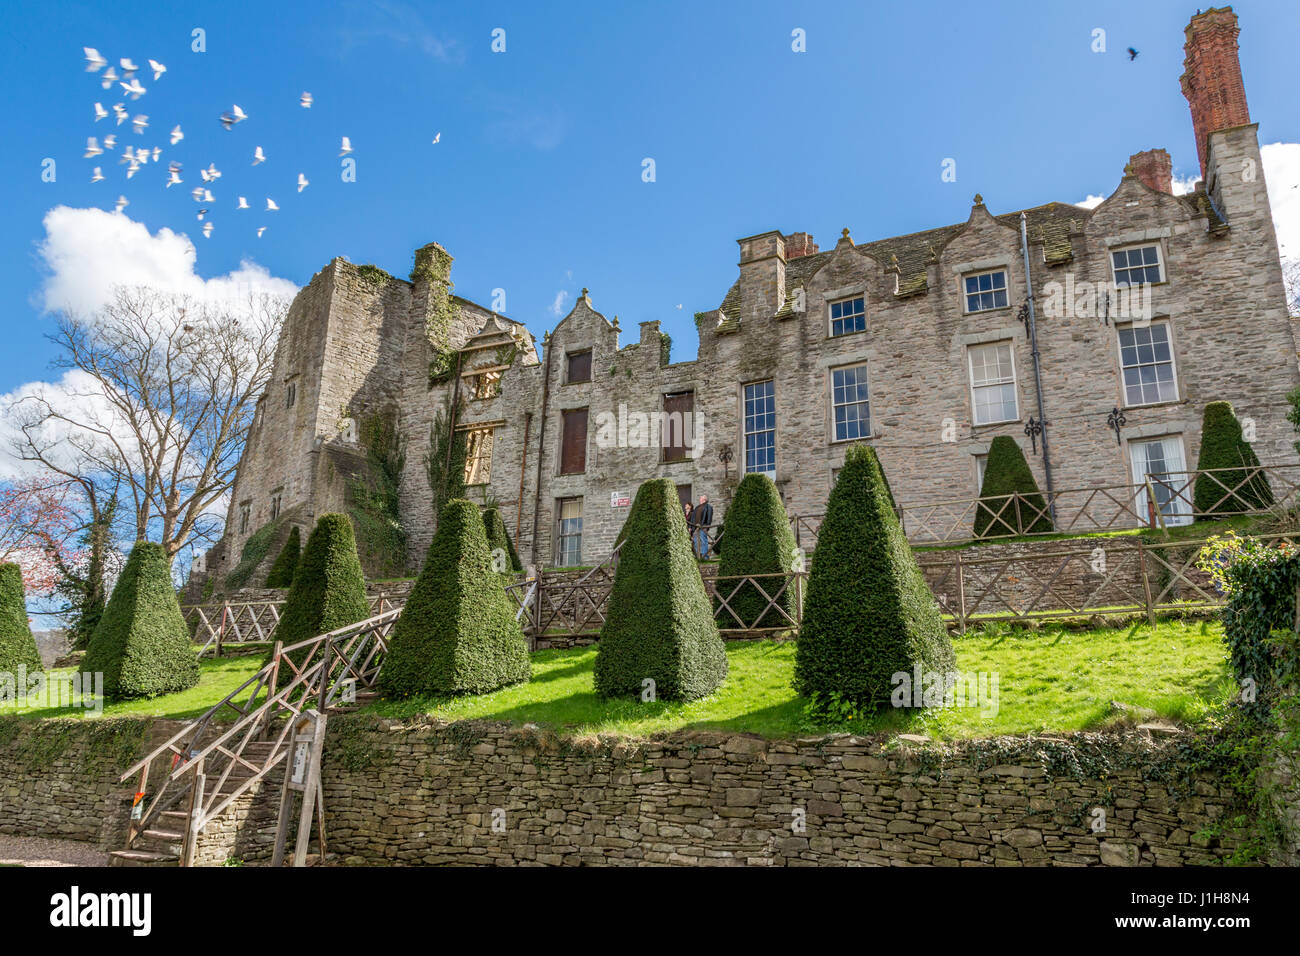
pixel 1212 78
pixel 1155 169
pixel 799 244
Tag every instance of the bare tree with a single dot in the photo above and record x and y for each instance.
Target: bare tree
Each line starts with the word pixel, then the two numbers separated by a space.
pixel 161 393
pixel 1291 281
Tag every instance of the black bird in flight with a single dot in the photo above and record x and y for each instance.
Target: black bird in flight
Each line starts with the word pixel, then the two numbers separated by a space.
pixel 1132 54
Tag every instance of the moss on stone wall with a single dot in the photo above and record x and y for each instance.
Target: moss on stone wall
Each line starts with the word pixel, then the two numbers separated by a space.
pixel 108 744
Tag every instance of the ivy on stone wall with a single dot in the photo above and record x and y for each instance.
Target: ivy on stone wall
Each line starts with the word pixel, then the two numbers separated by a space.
pixel 433 267
pixel 445 471
pixel 665 348
pixel 255 551
pixel 373 504
pixel 373 274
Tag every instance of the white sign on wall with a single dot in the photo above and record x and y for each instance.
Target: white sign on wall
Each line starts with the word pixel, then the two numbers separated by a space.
pixel 620 499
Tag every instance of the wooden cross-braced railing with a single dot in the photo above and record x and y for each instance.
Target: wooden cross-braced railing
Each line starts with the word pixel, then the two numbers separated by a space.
pixel 220 624
pixel 212 764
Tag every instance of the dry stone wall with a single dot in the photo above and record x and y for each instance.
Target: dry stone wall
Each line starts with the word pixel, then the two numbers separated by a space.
pixel 484 793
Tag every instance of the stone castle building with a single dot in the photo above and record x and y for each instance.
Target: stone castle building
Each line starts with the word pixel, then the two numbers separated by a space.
pixel 1151 304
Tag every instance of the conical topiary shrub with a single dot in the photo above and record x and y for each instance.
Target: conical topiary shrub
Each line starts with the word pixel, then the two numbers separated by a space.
pixel 17 645
pixel 659 625
pixel 499 537
pixel 1223 446
pixel 759 541
pixel 286 562
pixel 328 591
pixel 1007 473
pixel 457 633
pixel 142 643
pixel 868 614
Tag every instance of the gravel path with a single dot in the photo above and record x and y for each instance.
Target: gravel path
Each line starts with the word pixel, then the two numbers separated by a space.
pixel 41 851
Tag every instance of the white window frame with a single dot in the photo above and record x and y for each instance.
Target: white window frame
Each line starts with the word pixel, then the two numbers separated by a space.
pixel 1006 288
pixel 830 385
pixel 830 322
pixel 1130 246
pixel 1119 357
pixel 1181 512
pixel 1013 381
pixel 746 433
pixel 560 536
pixel 981 466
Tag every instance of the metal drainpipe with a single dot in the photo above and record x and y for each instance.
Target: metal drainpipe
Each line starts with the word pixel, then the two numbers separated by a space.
pixel 541 446
pixel 1038 375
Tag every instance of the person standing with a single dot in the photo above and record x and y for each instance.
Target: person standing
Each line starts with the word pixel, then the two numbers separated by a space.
pixel 701 519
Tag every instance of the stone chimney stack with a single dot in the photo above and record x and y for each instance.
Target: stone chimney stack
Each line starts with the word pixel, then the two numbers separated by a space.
pixel 799 244
pixel 1155 169
pixel 1212 78
pixel 762 275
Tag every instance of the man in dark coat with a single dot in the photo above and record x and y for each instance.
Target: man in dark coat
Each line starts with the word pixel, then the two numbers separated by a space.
pixel 701 519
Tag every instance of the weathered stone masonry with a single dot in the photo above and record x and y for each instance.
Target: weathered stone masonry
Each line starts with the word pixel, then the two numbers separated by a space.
pixel 359 342
pixel 426 792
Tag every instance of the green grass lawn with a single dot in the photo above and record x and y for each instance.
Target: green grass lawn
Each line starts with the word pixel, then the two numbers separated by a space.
pixel 1048 680
pixel 218 677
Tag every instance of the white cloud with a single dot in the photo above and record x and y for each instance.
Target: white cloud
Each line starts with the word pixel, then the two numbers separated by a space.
pixel 557 307
pixel 1282 173
pixel 88 251
pixel 1092 202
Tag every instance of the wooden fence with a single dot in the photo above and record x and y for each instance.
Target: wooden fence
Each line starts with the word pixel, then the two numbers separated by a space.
pixel 1101 578
pixel 1160 500
pixel 242 623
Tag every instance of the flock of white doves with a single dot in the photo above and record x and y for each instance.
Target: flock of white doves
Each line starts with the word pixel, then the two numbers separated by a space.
pixel 136 157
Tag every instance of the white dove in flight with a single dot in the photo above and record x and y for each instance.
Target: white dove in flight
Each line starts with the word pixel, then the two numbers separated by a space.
pixel 207 229
pixel 177 135
pixel 260 230
pixel 197 194
pixel 270 205
pixel 140 123
pixel 304 101
pixel 243 203
pixel 158 69
pixel 94 62
pixel 92 147
pixel 128 67
pixel 302 182
pixel 437 136
pixel 173 177
pixel 346 146
pixel 119 110
pixel 96 176
pixel 238 114
pixel 258 156
pixel 120 204
pixel 110 142
pixel 100 112
pixel 133 89
pixel 108 79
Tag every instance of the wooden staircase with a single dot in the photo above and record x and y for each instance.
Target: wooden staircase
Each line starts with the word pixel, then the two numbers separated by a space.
pixel 214 759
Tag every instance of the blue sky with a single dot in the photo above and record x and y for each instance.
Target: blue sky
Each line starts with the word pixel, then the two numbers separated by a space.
pixel 536 185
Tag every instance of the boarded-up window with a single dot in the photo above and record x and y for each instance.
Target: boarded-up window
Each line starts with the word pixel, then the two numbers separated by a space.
pixel 579 367
pixel 573 449
pixel 675 428
pixel 478 456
